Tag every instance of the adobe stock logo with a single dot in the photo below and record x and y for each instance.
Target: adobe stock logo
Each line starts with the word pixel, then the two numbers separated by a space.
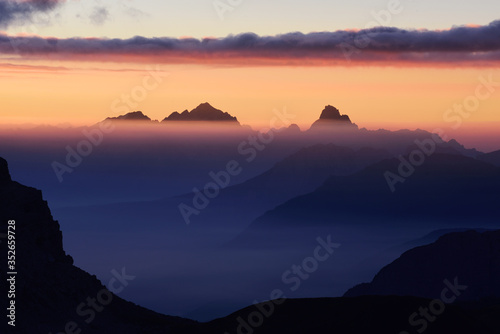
pixel 223 6
pixel 94 136
pixel 84 148
pixel 293 278
pixel 455 115
pixel 427 315
pixel 250 149
pixel 93 305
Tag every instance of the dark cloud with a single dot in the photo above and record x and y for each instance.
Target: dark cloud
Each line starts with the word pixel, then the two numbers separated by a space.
pixel 382 44
pixel 12 11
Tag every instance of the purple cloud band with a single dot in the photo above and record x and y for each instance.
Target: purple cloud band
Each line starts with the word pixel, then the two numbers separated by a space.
pixel 458 44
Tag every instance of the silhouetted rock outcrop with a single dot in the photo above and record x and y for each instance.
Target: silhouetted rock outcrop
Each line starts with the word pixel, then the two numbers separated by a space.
pixel 204 112
pixel 49 289
pixel 330 116
pixel 4 172
pixel 471 258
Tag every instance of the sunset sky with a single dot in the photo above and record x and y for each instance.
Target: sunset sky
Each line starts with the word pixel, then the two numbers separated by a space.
pixel 77 62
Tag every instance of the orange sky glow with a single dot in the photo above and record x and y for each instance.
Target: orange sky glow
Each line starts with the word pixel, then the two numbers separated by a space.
pixel 403 95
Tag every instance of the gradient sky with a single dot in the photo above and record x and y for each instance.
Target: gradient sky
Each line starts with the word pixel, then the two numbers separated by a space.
pixel 408 77
pixel 199 18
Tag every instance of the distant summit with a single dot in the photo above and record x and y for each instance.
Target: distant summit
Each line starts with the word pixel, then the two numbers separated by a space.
pixel 330 116
pixel 204 112
pixel 131 116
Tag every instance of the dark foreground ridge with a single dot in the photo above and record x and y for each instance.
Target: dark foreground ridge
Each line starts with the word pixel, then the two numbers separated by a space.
pixel 49 288
pixel 472 257
pixel 54 296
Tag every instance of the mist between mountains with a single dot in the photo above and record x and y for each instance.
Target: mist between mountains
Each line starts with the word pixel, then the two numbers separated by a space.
pixel 293 279
pixel 455 115
pixel 94 136
pixel 248 149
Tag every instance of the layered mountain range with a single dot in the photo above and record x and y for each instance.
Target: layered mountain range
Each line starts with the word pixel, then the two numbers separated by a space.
pixel 55 296
pixel 375 192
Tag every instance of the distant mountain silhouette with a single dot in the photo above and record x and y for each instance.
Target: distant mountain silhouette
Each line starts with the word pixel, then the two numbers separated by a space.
pixel 131 116
pixel 492 157
pixel 472 257
pixel 306 168
pixel 51 290
pixel 468 152
pixel 434 236
pixel 297 174
pixel 204 112
pixel 434 191
pixel 304 171
pixel 451 147
pixel 330 116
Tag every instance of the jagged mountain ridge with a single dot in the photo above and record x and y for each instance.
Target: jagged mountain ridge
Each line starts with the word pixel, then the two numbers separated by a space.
pixel 203 112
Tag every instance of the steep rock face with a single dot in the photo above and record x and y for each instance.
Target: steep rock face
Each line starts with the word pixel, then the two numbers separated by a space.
pixel 330 116
pixel 204 112
pixel 49 289
pixel 471 257
pixel 4 172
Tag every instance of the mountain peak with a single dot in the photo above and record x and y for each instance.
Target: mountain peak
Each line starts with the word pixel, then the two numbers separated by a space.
pixel 203 112
pixel 330 112
pixel 331 116
pixel 205 105
pixel 131 116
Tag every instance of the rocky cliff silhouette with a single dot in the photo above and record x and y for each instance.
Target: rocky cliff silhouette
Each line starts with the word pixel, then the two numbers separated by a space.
pixel 331 117
pixel 49 288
